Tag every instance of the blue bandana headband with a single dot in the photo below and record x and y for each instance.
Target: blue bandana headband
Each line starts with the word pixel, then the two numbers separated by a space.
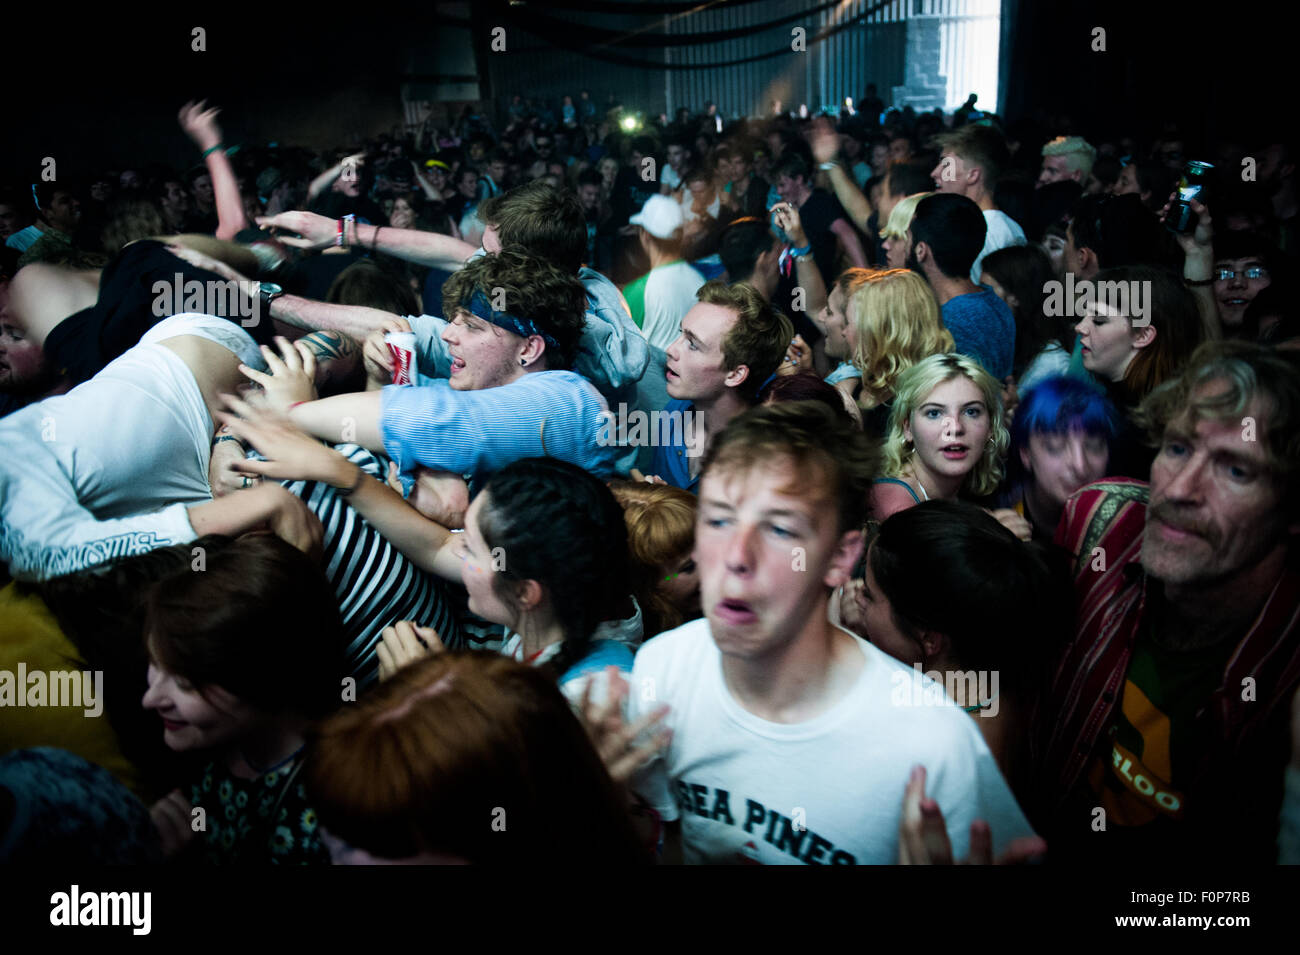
pixel 524 328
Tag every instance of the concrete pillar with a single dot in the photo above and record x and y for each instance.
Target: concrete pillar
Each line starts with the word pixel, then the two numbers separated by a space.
pixel 924 87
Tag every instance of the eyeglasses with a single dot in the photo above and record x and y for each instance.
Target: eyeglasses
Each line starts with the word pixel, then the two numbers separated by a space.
pixel 1254 272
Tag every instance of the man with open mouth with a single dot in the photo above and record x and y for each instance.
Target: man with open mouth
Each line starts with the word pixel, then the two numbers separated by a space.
pixel 788 742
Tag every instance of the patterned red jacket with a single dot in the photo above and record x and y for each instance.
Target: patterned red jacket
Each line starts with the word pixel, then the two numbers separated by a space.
pixel 1102 531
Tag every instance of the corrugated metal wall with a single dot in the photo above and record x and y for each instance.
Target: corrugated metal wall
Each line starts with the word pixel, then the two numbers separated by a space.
pixel 531 70
pixel 823 74
pixel 871 51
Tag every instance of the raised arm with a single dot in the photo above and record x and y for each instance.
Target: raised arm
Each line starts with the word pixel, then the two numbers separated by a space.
pixel 809 276
pixel 200 124
pixel 45 531
pixel 355 321
pixel 326 179
pixel 826 148
pixel 1198 268
pixel 423 248
pixel 292 455
pixel 852 245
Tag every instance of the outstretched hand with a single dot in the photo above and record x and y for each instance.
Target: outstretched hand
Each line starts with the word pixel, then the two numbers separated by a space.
pixel 292 378
pixel 614 739
pixel 201 260
pixel 314 232
pixel 923 837
pixel 290 454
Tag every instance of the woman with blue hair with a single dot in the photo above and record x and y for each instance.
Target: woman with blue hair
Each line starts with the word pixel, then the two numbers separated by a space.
pixel 1061 439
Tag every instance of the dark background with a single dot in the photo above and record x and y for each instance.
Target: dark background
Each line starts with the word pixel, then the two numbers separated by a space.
pixel 102 88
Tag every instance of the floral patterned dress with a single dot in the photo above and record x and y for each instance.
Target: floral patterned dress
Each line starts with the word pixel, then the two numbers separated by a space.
pixel 259 821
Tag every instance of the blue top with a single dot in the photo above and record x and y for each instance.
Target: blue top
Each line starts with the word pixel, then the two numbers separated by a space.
pixel 612 354
pixel 554 414
pixel 671 461
pixel 983 328
pixel 601 654
pixel 843 372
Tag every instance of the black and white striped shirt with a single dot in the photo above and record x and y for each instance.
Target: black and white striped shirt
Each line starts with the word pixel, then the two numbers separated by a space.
pixel 376 585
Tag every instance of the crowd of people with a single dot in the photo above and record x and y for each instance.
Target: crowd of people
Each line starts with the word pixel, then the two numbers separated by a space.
pixel 874 488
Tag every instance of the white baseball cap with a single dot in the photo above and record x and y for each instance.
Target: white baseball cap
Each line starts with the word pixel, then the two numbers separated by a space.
pixel 661 216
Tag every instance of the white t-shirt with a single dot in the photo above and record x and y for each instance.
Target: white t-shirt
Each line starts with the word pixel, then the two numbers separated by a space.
pixel 688 201
pixel 826 791
pixel 669 295
pixel 1002 232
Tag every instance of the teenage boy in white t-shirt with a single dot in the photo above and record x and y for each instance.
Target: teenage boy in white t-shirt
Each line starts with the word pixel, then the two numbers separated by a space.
pixel 792 739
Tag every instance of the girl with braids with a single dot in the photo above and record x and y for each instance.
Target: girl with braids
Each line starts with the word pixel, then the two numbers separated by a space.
pixel 545 555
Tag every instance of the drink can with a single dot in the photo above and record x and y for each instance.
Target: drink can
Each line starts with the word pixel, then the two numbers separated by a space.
pixel 401 345
pixel 1191 185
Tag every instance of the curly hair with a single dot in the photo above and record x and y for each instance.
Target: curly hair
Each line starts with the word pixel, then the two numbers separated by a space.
pixel 915 384
pixel 533 289
pixel 898 323
pixel 560 526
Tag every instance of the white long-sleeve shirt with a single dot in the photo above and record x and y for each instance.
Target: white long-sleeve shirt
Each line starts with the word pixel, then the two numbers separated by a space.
pixel 110 468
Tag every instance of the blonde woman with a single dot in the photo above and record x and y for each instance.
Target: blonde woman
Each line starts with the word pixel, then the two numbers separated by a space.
pixel 893 323
pixel 946 437
pixel 894 233
pixel 832 320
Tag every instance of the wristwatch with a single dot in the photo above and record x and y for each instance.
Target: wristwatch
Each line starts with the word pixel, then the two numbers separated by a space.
pixel 268 292
pixel 828 165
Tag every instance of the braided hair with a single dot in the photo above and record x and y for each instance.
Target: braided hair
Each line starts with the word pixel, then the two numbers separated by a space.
pixel 560 526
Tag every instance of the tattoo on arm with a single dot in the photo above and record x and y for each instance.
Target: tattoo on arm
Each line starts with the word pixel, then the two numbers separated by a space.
pixel 327 345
